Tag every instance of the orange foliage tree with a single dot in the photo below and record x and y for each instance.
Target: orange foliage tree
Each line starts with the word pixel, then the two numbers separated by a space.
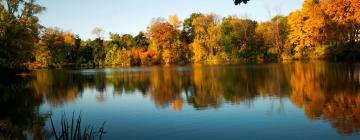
pixel 165 39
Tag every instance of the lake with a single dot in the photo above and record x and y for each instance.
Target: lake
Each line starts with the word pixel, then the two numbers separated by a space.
pixel 298 100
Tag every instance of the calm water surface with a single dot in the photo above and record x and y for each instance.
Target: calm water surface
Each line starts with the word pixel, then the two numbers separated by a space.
pixel 291 101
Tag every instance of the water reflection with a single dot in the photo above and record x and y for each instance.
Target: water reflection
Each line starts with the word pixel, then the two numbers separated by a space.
pixel 329 92
pixel 19 110
pixel 325 91
pixel 200 86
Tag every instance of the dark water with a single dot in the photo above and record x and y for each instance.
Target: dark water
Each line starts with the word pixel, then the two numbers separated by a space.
pixel 291 101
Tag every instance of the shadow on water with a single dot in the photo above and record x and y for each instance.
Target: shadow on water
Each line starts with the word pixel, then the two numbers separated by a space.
pixel 324 91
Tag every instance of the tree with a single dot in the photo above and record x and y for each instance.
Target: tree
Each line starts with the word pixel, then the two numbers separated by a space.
pixel 19 29
pixel 188 29
pixel 237 37
pixel 57 47
pixel 307 28
pixel 97 31
pixel 128 41
pixel 165 39
pixel 344 20
pixel 238 2
pixel 272 36
pixel 141 41
pixel 174 21
pixel 85 53
pixel 206 37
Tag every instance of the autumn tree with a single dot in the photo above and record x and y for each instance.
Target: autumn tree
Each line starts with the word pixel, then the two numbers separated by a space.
pixel 57 47
pixel 165 40
pixel 307 28
pixel 272 36
pixel 206 36
pixel 174 21
pixel 344 20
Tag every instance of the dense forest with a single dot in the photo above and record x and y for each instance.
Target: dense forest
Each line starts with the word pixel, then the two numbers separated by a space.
pixel 321 29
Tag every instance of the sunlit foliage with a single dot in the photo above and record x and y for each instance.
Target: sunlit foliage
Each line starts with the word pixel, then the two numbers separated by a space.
pixel 165 39
pixel 326 29
pixel 206 37
pixel 307 28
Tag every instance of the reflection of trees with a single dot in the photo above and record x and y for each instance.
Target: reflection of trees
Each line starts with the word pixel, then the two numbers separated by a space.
pixel 325 91
pixel 343 112
pixel 330 92
pixel 58 86
pixel 19 110
pixel 202 87
pixel 246 83
pixel 167 85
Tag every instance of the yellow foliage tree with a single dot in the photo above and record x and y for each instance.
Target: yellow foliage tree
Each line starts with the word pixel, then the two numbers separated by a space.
pixel 306 28
pixel 206 37
pixel 345 18
pixel 174 21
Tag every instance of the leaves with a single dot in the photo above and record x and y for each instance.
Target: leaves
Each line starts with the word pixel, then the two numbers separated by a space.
pixel 238 2
pixel 18 31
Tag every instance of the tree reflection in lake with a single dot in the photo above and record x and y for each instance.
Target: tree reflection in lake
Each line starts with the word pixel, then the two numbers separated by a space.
pixel 325 91
pixel 19 110
pixel 330 92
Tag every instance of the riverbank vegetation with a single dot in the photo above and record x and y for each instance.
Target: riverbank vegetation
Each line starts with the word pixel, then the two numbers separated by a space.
pixel 325 29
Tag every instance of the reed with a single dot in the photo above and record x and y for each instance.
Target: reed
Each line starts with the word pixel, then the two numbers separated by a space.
pixel 74 130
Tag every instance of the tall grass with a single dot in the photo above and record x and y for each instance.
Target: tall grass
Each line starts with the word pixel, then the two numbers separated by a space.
pixel 72 129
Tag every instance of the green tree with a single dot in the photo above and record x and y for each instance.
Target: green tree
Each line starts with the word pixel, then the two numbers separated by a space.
pixel 19 29
pixel 141 41
pixel 237 35
pixel 85 52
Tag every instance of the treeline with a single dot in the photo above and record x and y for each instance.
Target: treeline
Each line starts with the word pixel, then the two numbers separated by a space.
pixel 201 38
pixel 324 29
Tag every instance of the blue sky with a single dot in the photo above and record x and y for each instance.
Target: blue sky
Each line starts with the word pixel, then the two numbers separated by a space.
pixel 132 16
